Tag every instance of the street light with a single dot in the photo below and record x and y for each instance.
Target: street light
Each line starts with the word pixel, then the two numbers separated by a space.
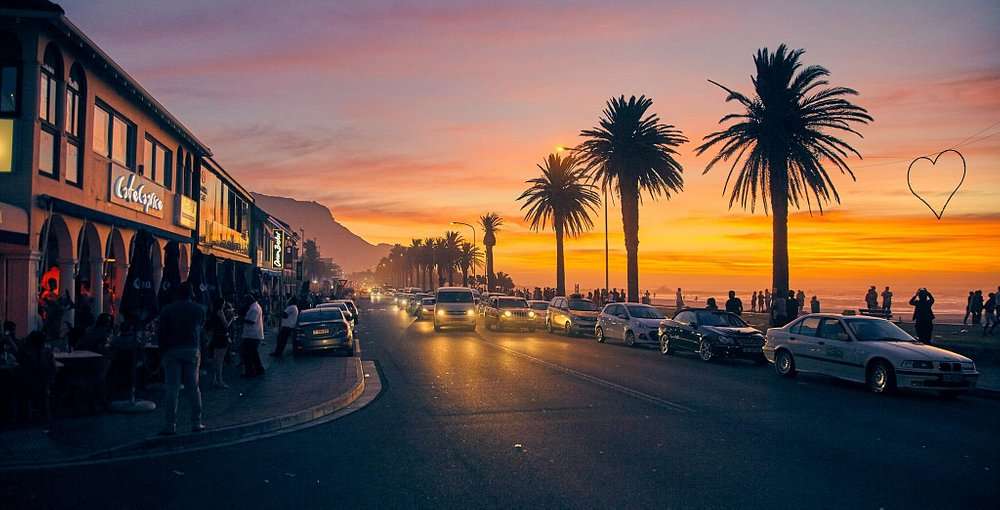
pixel 561 148
pixel 473 246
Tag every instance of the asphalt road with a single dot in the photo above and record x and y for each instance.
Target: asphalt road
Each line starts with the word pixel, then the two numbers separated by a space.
pixel 532 420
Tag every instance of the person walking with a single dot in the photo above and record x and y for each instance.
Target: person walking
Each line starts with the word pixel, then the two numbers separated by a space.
pixel 923 315
pixel 991 314
pixel 733 304
pixel 968 307
pixel 289 318
pixel 679 299
pixel 887 301
pixel 814 305
pixel 253 335
pixel 219 324
pixel 180 350
pixel 976 307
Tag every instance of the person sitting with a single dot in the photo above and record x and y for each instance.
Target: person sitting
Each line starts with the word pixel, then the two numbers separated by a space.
pixel 97 338
pixel 37 371
pixel 710 304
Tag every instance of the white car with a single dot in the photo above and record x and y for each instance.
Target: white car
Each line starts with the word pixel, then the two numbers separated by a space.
pixel 869 350
pixel 631 323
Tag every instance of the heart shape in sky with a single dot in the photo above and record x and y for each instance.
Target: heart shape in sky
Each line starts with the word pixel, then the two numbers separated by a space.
pixel 929 193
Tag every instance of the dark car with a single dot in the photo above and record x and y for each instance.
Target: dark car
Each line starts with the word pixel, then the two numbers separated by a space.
pixel 711 334
pixel 321 329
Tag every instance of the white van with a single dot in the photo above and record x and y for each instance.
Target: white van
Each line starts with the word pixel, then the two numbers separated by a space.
pixel 454 306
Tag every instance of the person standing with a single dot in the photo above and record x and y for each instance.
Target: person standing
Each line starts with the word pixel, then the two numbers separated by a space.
pixel 289 318
pixel 923 315
pixel 219 324
pixel 710 304
pixel 991 314
pixel 679 299
pixel 968 307
pixel 753 302
pixel 976 307
pixel 767 301
pixel 887 301
pixel 793 307
pixel 253 335
pixel 814 305
pixel 778 309
pixel 800 298
pixel 733 304
pixel 871 299
pixel 180 347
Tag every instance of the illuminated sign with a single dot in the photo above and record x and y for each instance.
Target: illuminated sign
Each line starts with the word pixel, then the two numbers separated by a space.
pixel 135 192
pixel 6 145
pixel 185 212
pixel 278 250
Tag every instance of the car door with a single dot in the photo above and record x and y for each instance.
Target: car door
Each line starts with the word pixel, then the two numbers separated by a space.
pixel 685 333
pixel 558 313
pixel 803 341
pixel 609 319
pixel 836 351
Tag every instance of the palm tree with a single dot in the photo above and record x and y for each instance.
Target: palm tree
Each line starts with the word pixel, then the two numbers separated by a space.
pixel 491 224
pixel 631 151
pixel 452 243
pixel 504 282
pixel 416 256
pixel 396 263
pixel 429 261
pixel 560 198
pixel 469 256
pixel 440 258
pixel 781 135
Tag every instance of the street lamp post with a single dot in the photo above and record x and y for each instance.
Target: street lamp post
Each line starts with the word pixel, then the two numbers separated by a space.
pixel 607 279
pixel 473 246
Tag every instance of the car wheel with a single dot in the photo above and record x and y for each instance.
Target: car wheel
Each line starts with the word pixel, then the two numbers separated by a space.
pixel 881 378
pixel 705 350
pixel 665 348
pixel 630 339
pixel 568 329
pixel 784 364
pixel 600 335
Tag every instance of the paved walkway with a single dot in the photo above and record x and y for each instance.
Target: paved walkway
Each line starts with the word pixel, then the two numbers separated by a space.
pixel 292 385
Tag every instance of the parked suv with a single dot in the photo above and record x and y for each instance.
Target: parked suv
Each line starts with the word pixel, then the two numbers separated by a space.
pixel 572 315
pixel 504 312
pixel 454 306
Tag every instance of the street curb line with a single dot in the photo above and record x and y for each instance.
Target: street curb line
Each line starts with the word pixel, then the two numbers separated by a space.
pixel 212 437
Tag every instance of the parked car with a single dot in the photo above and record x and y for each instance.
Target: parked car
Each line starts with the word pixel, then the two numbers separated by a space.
pixel 711 334
pixel 509 312
pixel 485 299
pixel 540 308
pixel 320 329
pixel 632 323
pixel 572 315
pixel 351 307
pixel 426 310
pixel 454 306
pixel 340 305
pixel 868 350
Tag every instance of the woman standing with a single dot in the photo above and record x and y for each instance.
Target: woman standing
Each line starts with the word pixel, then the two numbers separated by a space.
pixel 923 315
pixel 219 323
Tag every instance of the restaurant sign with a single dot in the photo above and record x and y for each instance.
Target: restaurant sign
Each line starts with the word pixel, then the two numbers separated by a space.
pixel 278 250
pixel 130 190
pixel 185 212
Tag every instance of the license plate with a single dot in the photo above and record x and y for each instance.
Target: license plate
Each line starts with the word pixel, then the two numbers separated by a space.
pixel 951 378
pixel 321 331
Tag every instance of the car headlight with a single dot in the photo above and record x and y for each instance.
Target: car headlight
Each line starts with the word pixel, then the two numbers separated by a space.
pixel 970 366
pixel 531 314
pixel 440 313
pixel 470 312
pixel 507 313
pixel 921 364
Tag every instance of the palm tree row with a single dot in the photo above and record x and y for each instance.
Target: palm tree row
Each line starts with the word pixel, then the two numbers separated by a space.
pixel 778 141
pixel 429 263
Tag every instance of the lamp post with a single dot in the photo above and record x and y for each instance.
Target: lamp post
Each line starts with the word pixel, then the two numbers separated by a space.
pixel 607 279
pixel 473 246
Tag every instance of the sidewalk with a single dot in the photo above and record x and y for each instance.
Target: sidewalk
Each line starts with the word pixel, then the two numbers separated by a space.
pixel 295 390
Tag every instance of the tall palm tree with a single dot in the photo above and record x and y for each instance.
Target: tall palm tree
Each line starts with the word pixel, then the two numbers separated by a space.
pixel 452 242
pixel 429 262
pixel 782 137
pixel 631 151
pixel 440 258
pixel 491 224
pixel 560 198
pixel 396 262
pixel 504 282
pixel 469 256
pixel 417 258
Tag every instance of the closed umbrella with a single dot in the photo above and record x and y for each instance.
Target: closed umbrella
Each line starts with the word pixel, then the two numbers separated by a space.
pixel 196 277
pixel 139 304
pixel 171 273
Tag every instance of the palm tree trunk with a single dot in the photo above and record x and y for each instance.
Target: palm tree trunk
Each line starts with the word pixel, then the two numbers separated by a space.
pixel 451 276
pixel 465 276
pixel 630 224
pixel 560 260
pixel 779 237
pixel 489 268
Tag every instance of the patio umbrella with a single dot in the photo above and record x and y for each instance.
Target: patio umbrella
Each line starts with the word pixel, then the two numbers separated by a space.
pixel 138 304
pixel 196 277
pixel 171 273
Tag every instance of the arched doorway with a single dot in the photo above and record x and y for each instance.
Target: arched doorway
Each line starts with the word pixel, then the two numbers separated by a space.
pixel 115 264
pixel 56 275
pixel 156 261
pixel 89 285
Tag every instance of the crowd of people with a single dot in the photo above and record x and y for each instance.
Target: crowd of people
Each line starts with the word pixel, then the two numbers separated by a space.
pixel 982 310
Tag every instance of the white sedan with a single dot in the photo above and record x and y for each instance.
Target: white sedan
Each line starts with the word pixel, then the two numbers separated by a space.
pixel 869 350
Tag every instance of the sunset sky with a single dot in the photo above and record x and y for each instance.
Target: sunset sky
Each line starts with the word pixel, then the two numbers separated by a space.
pixel 403 116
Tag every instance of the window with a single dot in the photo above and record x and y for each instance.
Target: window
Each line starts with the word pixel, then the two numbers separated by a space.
pixel 47 153
pixel 48 99
pixel 74 125
pixel 47 95
pixel 114 136
pixel 157 161
pixel 102 127
pixel 8 90
pixel 73 107
pixel 832 329
pixel 119 140
pixel 807 327
pixel 685 317
pixel 72 163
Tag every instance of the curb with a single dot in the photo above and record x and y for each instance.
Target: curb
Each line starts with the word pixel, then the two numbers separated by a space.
pixel 210 437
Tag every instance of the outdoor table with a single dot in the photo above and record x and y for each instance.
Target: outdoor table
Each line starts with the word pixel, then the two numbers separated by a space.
pixel 76 355
pixel 83 377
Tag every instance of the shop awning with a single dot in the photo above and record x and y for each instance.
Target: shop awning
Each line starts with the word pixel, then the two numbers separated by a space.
pixel 13 224
pixel 69 208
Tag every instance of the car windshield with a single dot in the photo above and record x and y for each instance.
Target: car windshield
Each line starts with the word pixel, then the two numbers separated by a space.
pixel 454 296
pixel 428 301
pixel 320 315
pixel 644 312
pixel 877 330
pixel 726 320
pixel 582 305
pixel 539 306
pixel 512 303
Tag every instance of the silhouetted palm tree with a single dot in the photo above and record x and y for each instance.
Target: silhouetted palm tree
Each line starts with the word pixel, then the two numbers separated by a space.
pixel 491 224
pixel 452 242
pixel 560 198
pixel 440 258
pixel 469 256
pixel 504 282
pixel 415 251
pixel 396 263
pixel 631 152
pixel 781 136
pixel 428 255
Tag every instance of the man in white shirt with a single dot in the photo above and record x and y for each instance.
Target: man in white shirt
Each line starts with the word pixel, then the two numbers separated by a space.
pixel 253 335
pixel 289 318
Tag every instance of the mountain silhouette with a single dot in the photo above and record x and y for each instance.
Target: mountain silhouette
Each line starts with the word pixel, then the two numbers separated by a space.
pixel 345 247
